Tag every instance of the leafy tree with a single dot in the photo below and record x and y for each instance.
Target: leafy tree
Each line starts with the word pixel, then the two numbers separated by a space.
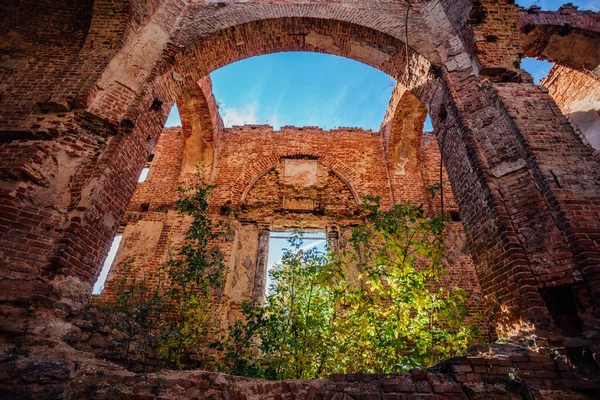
pixel 401 315
pixel 397 316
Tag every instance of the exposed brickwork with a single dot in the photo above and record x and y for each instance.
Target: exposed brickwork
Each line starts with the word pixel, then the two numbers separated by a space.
pixel 567 36
pixel 496 34
pixel 570 188
pixel 504 372
pixel 79 82
pixel 250 177
pixel 577 94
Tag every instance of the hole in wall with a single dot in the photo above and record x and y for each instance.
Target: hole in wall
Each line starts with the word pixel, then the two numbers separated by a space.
pixel 537 68
pixel 173 119
pixel 110 258
pixel 455 216
pixel 146 170
pixel 144 174
pixel 428 126
pixel 563 308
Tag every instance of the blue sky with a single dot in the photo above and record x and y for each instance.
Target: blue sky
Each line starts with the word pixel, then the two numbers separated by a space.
pixel 552 5
pixel 310 89
pixel 299 89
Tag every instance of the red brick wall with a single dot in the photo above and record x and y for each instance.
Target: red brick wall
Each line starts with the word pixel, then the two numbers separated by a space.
pixel 511 215
pixel 577 94
pixel 248 178
pixel 568 36
pixel 496 33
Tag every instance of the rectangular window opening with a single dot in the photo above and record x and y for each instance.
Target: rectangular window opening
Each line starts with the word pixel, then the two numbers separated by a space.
pixel 110 258
pixel 562 306
pixel 144 175
pixel 278 241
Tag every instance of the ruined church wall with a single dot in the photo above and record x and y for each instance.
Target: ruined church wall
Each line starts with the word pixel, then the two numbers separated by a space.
pixel 248 180
pixel 577 94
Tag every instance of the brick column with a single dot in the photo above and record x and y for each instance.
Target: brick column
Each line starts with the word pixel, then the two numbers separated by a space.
pixel 260 276
pixel 333 237
pixel 527 190
pixel 567 175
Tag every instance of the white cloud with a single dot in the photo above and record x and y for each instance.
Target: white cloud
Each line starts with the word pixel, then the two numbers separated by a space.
pixel 243 115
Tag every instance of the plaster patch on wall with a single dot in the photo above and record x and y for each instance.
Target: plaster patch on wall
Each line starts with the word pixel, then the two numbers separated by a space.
pixel 135 61
pixel 198 153
pixel 459 62
pixel 508 167
pixel 586 115
pixel 300 173
pixel 322 42
pixel 367 53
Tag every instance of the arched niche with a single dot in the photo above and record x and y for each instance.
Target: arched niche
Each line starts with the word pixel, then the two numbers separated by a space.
pixel 299 185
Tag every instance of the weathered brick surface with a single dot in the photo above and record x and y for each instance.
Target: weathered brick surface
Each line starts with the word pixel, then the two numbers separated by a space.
pixel 249 177
pixel 577 94
pixel 504 372
pixel 567 36
pixel 496 35
pixel 79 81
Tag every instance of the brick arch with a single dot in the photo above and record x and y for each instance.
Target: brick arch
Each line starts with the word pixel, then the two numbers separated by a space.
pixel 181 68
pixel 568 36
pixel 246 181
pixel 204 43
pixel 401 133
pixel 487 144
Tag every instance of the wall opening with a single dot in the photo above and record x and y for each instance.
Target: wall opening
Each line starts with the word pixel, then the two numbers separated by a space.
pixel 539 69
pixel 146 170
pixel 279 240
pixel 561 305
pixel 302 89
pixel 173 119
pixel 428 125
pixel 110 258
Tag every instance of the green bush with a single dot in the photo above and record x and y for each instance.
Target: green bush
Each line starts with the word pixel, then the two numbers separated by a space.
pixel 397 316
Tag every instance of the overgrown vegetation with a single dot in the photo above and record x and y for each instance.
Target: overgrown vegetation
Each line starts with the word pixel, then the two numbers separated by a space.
pixel 169 318
pixel 378 304
pixel 397 315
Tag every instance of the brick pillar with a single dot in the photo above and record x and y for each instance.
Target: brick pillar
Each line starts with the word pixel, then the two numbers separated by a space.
pixel 567 175
pixel 527 191
pixel 260 276
pixel 333 237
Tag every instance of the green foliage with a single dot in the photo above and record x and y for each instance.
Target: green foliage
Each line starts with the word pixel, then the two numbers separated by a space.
pixel 134 313
pixel 397 316
pixel 377 305
pixel 175 313
pixel 195 275
pixel 401 315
